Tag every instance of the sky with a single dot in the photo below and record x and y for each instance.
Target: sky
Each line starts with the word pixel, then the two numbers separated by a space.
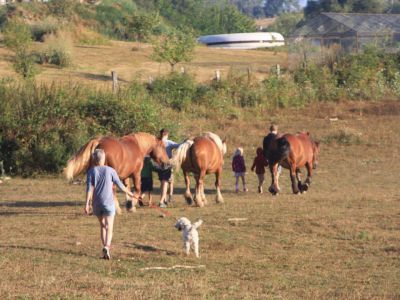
pixel 303 2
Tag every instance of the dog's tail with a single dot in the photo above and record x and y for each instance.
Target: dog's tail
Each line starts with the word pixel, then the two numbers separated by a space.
pixel 197 224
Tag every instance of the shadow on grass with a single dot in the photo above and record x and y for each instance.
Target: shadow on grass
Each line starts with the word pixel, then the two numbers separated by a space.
pixel 147 248
pixel 51 250
pixel 38 203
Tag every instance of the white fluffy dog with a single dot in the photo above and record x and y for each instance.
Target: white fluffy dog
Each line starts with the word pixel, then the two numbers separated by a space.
pixel 189 233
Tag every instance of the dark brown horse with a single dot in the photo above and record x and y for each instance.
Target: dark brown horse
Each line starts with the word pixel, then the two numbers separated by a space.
pixel 292 152
pixel 125 155
pixel 201 156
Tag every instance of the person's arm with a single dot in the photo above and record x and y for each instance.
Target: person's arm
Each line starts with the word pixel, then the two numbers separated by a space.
pixel 120 185
pixel 254 165
pixel 89 192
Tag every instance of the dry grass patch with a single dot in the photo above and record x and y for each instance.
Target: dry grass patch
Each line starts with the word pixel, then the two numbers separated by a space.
pixel 340 240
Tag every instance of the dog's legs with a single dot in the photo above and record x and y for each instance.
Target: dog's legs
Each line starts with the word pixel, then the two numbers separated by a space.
pixel 196 247
pixel 186 245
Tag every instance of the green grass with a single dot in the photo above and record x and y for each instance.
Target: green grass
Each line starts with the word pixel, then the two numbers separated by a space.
pixel 339 240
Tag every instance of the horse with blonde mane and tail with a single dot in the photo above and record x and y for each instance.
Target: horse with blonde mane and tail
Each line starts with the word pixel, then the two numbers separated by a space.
pixel 200 156
pixel 125 155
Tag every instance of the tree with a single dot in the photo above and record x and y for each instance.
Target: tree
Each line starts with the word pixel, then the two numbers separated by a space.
pixel 142 26
pixel 18 38
pixel 277 7
pixel 346 6
pixel 173 48
pixel 286 23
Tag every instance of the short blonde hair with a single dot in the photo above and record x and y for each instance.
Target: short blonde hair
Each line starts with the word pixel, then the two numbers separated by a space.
pixel 238 151
pixel 97 156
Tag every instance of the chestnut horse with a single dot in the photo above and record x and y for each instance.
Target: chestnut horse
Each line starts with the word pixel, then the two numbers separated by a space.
pixel 125 155
pixel 201 156
pixel 292 152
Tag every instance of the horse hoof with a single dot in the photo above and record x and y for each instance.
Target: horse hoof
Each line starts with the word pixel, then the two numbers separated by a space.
pixel 128 205
pixel 272 191
pixel 189 200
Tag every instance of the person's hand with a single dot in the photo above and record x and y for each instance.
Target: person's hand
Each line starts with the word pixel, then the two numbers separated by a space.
pixel 130 194
pixel 87 209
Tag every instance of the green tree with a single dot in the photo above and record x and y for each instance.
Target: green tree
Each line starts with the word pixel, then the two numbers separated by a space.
pixel 173 48
pixel 286 23
pixel 350 6
pixel 277 7
pixel 142 26
pixel 18 38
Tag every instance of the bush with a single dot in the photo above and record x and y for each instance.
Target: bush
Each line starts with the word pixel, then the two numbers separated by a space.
pixel 174 90
pixel 42 126
pixel 41 29
pixel 58 50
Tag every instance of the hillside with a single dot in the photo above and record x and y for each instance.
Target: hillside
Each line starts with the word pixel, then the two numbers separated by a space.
pixel 93 64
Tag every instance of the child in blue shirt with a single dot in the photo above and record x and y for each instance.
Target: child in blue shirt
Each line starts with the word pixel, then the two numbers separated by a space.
pixel 100 180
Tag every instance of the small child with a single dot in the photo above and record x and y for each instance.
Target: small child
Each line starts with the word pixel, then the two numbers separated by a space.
pixel 147 179
pixel 100 180
pixel 239 168
pixel 259 164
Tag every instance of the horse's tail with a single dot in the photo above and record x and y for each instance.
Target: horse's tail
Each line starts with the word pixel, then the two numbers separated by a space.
pixel 283 148
pixel 180 154
pixel 81 160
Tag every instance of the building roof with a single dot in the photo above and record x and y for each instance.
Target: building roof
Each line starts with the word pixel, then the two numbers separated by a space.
pixel 347 23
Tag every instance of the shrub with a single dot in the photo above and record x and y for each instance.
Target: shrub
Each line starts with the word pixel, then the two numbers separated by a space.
pixel 174 90
pixel 42 28
pixel 58 50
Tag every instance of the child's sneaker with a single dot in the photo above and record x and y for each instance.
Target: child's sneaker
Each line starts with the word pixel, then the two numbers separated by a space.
pixel 106 253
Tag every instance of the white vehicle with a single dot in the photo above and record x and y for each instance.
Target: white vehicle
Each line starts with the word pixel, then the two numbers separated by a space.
pixel 252 40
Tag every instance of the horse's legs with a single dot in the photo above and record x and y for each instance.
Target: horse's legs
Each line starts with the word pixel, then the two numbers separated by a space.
pixel 293 178
pixel 188 195
pixel 129 205
pixel 273 188
pixel 219 198
pixel 117 208
pixel 298 177
pixel 199 186
pixel 309 175
pixel 203 195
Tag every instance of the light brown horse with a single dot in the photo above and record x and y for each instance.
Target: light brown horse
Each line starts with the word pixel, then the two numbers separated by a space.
pixel 125 155
pixel 201 156
pixel 292 152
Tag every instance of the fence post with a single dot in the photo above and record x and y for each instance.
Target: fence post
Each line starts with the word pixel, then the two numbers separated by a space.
pixel 183 71
pixel 114 77
pixel 278 70
pixel 217 75
pixel 248 74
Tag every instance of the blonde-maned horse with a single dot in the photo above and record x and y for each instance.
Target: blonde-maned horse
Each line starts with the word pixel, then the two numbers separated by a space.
pixel 125 155
pixel 200 156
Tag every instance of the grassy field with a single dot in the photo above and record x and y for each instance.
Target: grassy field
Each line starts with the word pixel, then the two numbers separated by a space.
pixel 93 64
pixel 340 240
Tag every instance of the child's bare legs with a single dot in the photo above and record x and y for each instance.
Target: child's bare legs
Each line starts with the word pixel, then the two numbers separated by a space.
pixel 237 184
pixel 261 180
pixel 244 183
pixel 164 189
pixel 171 189
pixel 106 230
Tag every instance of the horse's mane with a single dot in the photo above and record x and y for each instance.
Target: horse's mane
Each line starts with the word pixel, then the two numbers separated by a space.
pixel 217 140
pixel 144 139
pixel 180 154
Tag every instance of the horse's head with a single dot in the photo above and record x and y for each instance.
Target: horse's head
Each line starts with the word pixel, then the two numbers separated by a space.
pixel 159 155
pixel 315 146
